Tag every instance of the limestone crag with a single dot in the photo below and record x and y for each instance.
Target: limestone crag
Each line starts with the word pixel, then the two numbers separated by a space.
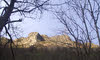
pixel 63 39
pixel 46 38
pixel 3 41
pixel 34 37
pixel 55 41
pixel 30 40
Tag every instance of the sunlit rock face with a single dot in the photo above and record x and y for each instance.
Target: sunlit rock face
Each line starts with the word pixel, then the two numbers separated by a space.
pixel 32 38
pixel 37 40
pixel 63 39
pixel 35 37
pixel 55 42
pixel 3 41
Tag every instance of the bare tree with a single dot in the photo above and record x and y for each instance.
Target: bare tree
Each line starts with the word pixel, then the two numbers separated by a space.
pixel 23 7
pixel 81 20
pixel 20 7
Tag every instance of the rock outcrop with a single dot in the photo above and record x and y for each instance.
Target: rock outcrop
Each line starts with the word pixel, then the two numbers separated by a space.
pixel 3 41
pixel 35 39
pixel 63 39
pixel 30 40
pixel 46 38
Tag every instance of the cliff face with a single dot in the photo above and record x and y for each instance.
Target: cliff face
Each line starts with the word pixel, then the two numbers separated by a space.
pixel 30 40
pixel 63 39
pixel 35 38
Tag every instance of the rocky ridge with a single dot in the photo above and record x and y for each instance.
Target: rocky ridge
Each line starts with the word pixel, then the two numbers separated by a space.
pixel 37 40
pixel 34 38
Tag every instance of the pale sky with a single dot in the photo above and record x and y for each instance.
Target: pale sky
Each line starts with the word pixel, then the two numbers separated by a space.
pixel 47 24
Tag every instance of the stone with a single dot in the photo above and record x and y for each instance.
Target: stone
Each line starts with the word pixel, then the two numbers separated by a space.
pixel 46 38
pixel 62 39
pixel 32 38
pixel 35 39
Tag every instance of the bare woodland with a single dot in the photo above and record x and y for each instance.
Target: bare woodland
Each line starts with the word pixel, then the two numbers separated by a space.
pixel 81 18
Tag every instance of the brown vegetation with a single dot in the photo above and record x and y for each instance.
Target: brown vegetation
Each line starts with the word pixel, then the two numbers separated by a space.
pixel 54 48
